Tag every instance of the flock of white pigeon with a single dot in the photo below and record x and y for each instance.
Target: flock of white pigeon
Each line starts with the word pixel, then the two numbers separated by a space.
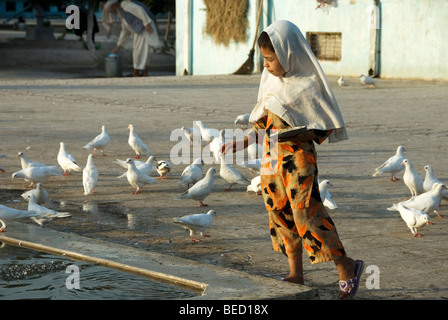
pixel 199 186
pixel 426 193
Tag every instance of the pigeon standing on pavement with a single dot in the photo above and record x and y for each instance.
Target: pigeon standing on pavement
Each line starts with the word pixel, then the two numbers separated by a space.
pixel 342 83
pixel 393 165
pixel 242 120
pixel 231 175
pixel 89 176
pixel 44 213
pixel 367 81
pixel 201 189
pixel 325 194
pixel 253 165
pixel 192 134
pixel 216 145
pixel 427 202
pixel 26 162
pixel 192 173
pixel 146 167
pixel 137 178
pixel 207 134
pixel 255 185
pixel 430 179
pixel 199 222
pixel 137 144
pixel 67 161
pixel 37 174
pixel 411 178
pixel 413 218
pixel 100 142
pixel 163 168
pixel 7 214
pixel 39 192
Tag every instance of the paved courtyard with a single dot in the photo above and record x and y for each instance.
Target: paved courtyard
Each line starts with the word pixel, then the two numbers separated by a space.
pixel 39 110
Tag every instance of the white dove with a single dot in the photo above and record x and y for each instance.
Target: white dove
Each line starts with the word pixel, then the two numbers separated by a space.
pixel 393 165
pixel 39 192
pixel 255 185
pixel 7 214
pixel 413 218
pixel 231 175
pixel 254 151
pixel 427 202
pixel 253 165
pixel 137 144
pixel 67 161
pixel 367 81
pixel 216 144
pixel 342 83
pixel 201 189
pixel 44 213
pixel 89 176
pixel 242 120
pixel 163 168
pixel 99 142
pixel 25 162
pixel 411 178
pixel 137 178
pixel 192 173
pixel 36 174
pixel 325 194
pixel 145 166
pixel 207 134
pixel 192 134
pixel 199 222
pixel 430 179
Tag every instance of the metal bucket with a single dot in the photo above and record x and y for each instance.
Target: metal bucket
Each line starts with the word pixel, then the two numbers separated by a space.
pixel 113 66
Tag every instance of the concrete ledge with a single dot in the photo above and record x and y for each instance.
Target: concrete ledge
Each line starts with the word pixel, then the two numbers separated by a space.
pixel 211 282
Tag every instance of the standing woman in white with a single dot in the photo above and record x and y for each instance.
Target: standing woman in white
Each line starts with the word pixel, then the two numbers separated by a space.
pixel 138 22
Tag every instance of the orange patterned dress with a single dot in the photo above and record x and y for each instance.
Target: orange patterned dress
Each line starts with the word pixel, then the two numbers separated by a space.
pixel 291 194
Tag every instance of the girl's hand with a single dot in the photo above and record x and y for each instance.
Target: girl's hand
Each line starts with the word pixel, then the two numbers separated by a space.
pixel 229 146
pixel 234 146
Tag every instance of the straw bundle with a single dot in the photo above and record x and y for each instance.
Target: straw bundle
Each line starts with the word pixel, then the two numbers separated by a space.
pixel 226 20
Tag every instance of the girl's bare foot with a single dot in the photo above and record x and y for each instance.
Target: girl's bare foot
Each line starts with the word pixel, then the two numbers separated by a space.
pixel 294 279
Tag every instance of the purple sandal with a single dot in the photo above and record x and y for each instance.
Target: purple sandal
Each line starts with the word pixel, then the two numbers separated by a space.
pixel 350 287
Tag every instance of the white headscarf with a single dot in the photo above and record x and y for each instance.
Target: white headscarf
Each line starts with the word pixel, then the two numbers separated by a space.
pixel 107 18
pixel 302 97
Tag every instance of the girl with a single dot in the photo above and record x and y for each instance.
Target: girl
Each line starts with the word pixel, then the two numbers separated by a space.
pixel 294 92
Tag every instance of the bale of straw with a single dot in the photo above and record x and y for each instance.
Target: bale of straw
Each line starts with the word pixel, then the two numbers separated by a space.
pixel 226 20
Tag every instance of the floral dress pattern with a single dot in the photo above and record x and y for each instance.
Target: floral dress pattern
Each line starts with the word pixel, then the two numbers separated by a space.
pixel 291 194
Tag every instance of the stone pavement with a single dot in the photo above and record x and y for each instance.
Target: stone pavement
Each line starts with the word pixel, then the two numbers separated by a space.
pixel 40 111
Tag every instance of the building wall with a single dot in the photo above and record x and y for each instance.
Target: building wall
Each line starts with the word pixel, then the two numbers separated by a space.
pixel 412 39
pixel 197 52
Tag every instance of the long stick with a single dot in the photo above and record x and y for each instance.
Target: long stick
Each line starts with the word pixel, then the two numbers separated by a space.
pixel 260 9
pixel 248 66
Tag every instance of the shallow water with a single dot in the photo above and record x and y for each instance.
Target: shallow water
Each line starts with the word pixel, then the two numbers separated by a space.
pixel 29 274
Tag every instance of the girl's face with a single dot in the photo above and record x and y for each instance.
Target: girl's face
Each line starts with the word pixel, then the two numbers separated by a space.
pixel 271 62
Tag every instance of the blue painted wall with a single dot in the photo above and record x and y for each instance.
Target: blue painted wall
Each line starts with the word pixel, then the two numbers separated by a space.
pixel 413 40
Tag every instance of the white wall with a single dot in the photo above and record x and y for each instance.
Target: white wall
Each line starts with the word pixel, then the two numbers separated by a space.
pixel 413 38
